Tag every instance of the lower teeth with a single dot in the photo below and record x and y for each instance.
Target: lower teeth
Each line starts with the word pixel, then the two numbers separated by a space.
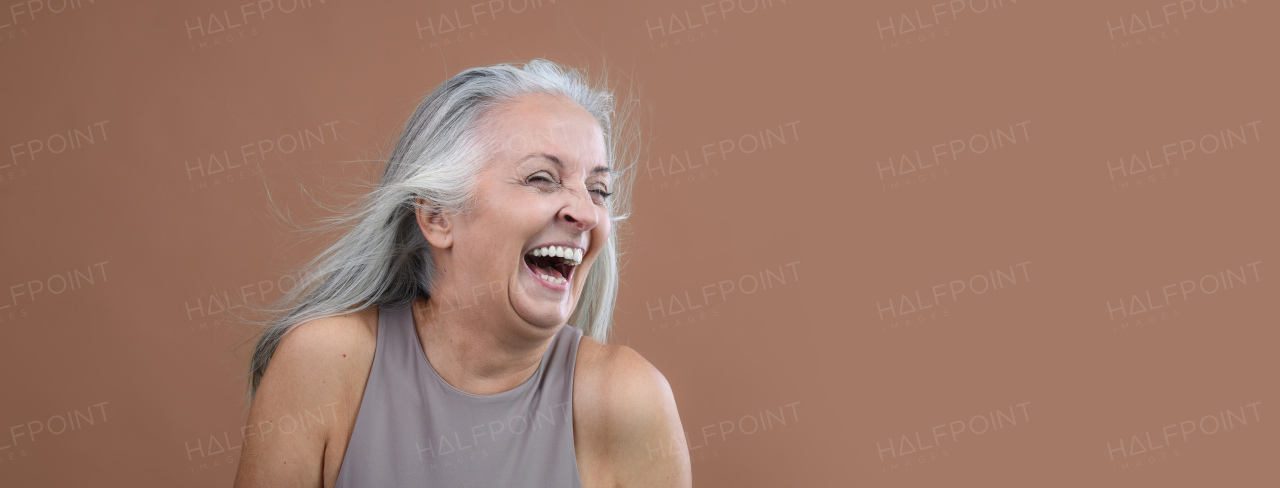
pixel 552 279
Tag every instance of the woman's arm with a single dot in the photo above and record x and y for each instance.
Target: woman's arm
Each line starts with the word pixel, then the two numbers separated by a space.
pixel 644 439
pixel 299 401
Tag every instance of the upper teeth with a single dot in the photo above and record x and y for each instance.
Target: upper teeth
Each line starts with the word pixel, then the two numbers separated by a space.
pixel 573 256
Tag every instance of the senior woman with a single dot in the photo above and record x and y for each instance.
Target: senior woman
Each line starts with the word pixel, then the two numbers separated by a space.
pixel 456 334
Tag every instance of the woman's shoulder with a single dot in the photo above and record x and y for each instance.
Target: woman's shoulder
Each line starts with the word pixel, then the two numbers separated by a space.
pixel 317 366
pixel 348 329
pixel 330 338
pixel 323 360
pixel 614 386
pixel 624 413
pixel 596 358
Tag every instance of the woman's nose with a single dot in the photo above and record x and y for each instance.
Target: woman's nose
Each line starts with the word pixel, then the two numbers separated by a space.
pixel 580 213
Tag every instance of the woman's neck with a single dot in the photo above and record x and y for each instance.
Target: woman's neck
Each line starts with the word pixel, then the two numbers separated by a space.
pixel 473 349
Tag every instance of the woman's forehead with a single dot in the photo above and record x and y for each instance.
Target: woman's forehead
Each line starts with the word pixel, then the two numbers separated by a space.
pixel 550 128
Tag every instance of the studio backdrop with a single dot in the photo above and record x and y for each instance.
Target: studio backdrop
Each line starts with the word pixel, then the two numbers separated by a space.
pixel 898 243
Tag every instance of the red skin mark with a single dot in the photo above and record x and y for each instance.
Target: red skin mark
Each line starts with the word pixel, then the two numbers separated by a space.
pixel 344 355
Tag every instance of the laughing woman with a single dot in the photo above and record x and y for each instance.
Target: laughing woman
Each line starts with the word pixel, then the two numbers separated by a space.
pixel 456 334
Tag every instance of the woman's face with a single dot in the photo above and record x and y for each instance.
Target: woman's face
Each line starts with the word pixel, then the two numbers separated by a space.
pixel 540 217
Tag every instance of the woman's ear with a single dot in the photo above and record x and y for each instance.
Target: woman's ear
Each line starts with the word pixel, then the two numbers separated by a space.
pixel 435 226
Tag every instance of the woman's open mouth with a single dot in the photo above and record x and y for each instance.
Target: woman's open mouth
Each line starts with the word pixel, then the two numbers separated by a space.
pixel 553 265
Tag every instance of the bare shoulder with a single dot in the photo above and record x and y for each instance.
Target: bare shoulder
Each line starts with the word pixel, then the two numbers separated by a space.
pixel 307 400
pixel 352 330
pixel 325 351
pixel 627 413
pixel 324 363
pixel 619 377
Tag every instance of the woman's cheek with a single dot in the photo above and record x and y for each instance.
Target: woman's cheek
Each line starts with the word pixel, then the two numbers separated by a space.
pixel 604 227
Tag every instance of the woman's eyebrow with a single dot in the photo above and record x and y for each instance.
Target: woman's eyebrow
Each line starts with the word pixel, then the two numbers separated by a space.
pixel 551 157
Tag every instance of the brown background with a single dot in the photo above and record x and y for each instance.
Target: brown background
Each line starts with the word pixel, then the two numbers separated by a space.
pixel 159 238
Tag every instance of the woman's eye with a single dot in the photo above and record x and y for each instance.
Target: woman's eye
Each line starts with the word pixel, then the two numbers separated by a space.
pixel 540 177
pixel 601 194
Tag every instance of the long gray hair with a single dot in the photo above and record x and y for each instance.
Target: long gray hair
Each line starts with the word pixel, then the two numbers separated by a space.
pixel 382 258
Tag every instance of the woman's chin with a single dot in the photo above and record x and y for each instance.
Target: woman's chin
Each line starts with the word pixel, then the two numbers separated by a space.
pixel 543 315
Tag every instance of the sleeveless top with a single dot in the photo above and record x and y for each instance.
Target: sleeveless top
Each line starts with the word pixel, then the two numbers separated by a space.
pixel 416 430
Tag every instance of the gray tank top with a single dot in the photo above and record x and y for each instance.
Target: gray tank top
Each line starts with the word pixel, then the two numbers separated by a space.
pixel 414 429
